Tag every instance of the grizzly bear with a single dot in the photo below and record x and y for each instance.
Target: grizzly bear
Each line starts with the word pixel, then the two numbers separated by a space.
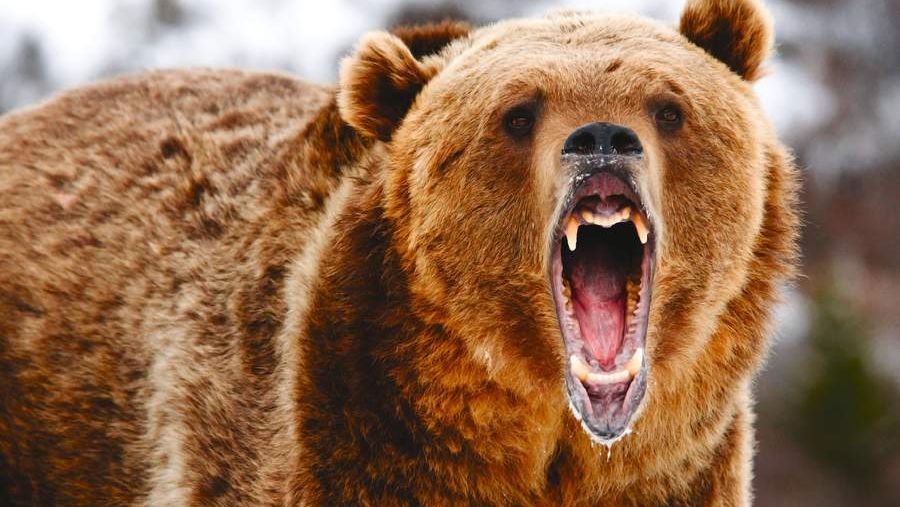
pixel 531 263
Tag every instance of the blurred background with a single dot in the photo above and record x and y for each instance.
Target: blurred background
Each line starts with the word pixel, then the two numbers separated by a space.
pixel 829 417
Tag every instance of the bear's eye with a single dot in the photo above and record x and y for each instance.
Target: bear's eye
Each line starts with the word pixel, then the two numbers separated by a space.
pixel 669 118
pixel 519 121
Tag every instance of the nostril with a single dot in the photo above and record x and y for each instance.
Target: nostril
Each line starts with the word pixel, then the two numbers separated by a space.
pixel 581 143
pixel 625 142
pixel 602 139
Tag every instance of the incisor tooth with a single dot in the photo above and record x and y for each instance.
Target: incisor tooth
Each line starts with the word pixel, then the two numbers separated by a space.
pixel 640 224
pixel 611 220
pixel 579 368
pixel 572 232
pixel 608 378
pixel 606 221
pixel 587 215
pixel 633 366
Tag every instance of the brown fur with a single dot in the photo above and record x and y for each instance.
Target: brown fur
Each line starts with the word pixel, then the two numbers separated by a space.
pixel 739 33
pixel 221 288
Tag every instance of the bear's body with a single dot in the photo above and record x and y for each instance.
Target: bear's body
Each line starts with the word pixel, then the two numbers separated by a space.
pixel 172 202
pixel 226 288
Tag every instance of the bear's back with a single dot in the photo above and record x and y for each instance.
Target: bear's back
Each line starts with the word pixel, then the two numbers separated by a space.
pixel 143 241
pixel 146 163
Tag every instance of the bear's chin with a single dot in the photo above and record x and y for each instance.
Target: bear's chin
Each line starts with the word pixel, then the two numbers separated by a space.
pixel 601 276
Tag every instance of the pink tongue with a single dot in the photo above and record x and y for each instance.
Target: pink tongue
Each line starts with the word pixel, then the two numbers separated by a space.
pixel 599 297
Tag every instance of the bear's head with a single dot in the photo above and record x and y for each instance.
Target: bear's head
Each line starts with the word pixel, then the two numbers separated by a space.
pixel 595 204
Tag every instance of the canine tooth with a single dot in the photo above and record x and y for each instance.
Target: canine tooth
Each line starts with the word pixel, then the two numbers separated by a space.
pixel 572 232
pixel 578 367
pixel 615 377
pixel 633 366
pixel 640 225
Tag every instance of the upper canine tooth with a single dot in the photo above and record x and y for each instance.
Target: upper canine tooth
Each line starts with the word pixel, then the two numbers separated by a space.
pixel 640 225
pixel 633 366
pixel 572 232
pixel 579 368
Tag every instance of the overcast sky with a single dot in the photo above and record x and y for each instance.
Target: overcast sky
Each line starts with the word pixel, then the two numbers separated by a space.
pixel 81 40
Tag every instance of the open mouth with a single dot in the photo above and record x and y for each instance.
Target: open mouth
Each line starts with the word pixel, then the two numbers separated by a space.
pixel 601 274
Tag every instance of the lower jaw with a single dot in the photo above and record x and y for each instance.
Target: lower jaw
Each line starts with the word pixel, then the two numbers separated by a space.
pixel 607 411
pixel 611 426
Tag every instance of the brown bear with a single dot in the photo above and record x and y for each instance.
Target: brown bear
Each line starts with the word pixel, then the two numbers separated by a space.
pixel 531 263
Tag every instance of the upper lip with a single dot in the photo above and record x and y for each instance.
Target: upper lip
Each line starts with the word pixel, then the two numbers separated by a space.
pixel 583 167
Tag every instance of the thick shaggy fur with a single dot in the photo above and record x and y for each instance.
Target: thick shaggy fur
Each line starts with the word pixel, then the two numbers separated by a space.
pixel 222 288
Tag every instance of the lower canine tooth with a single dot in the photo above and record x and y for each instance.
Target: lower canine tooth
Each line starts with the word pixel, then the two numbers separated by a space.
pixel 579 368
pixel 633 366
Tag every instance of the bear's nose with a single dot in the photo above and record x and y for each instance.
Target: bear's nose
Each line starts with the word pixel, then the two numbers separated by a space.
pixel 603 139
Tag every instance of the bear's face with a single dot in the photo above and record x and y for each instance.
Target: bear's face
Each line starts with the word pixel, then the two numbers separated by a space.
pixel 576 197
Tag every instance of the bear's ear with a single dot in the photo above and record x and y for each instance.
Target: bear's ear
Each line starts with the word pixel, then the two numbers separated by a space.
pixel 737 32
pixel 428 39
pixel 378 84
pixel 380 81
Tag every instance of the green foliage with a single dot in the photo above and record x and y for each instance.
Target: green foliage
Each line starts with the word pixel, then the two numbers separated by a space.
pixel 845 412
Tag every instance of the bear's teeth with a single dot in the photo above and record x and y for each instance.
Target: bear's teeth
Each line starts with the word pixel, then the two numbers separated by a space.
pixel 579 368
pixel 633 366
pixel 572 232
pixel 600 378
pixel 606 221
pixel 640 225
pixel 630 369
pixel 633 290
pixel 587 215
